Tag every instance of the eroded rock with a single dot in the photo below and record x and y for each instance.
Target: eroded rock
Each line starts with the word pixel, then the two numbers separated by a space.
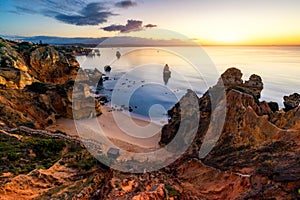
pixel 232 78
pixel 292 101
pixel 37 85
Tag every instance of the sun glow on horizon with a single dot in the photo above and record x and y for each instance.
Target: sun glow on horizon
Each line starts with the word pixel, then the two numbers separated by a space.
pixel 235 39
pixel 226 38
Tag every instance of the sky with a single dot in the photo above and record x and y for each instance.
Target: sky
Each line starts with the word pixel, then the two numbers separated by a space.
pixel 209 22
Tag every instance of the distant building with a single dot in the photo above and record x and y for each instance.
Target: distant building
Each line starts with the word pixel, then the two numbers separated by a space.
pixel 113 153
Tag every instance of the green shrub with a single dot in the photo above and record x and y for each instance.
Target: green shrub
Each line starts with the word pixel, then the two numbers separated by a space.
pixel 2 44
pixel 12 156
pixel 84 162
pixel 74 147
pixel 171 191
pixel 15 155
pixel 47 148
pixel 24 46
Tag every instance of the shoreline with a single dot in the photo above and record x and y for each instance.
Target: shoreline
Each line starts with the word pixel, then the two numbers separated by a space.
pixel 111 130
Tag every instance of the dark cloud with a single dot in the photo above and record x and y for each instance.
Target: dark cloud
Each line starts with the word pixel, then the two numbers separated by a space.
pixel 92 14
pixel 132 25
pixel 150 26
pixel 80 12
pixel 125 4
pixel 76 12
pixel 114 27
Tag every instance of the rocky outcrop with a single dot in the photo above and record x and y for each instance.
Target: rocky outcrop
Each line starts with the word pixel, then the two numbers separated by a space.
pixel 254 85
pixel 292 101
pixel 83 104
pixel 286 120
pixel 36 85
pixel 232 78
pixel 14 72
pixel 177 114
pixel 255 141
pixel 52 66
pixel 207 182
pixel 24 63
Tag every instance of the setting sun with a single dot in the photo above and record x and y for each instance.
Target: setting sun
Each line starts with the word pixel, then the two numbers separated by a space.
pixel 226 38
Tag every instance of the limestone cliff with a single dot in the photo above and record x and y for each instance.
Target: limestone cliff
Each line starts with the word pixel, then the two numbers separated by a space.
pixel 36 85
pixel 52 66
pixel 255 140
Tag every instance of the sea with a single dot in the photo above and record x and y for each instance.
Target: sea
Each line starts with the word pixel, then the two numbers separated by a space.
pixel 140 85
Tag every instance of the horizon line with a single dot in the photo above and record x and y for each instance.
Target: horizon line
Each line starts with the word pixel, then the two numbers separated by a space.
pixel 185 43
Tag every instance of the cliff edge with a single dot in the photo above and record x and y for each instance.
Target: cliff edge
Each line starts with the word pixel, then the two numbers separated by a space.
pixel 36 85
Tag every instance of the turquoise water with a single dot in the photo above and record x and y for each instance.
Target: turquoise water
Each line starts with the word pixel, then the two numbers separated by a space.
pixel 137 82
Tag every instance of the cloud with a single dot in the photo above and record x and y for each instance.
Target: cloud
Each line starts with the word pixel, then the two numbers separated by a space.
pixel 150 26
pixel 80 12
pixel 125 4
pixel 41 6
pixel 76 12
pixel 19 9
pixel 114 27
pixel 92 14
pixel 132 25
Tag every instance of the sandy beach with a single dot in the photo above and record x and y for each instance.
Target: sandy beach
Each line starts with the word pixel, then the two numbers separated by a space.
pixel 111 130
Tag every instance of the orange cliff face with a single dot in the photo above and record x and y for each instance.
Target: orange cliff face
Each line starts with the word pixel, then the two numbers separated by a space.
pixel 36 85
pixel 256 140
pixel 24 63
pixel 51 66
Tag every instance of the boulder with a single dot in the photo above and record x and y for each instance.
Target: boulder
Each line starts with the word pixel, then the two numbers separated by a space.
pixel 254 85
pixel 107 68
pixel 232 77
pixel 292 101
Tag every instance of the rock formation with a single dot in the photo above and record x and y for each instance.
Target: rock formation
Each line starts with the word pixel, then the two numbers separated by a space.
pixel 52 66
pixel 232 79
pixel 257 141
pixel 292 101
pixel 107 68
pixel 37 85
